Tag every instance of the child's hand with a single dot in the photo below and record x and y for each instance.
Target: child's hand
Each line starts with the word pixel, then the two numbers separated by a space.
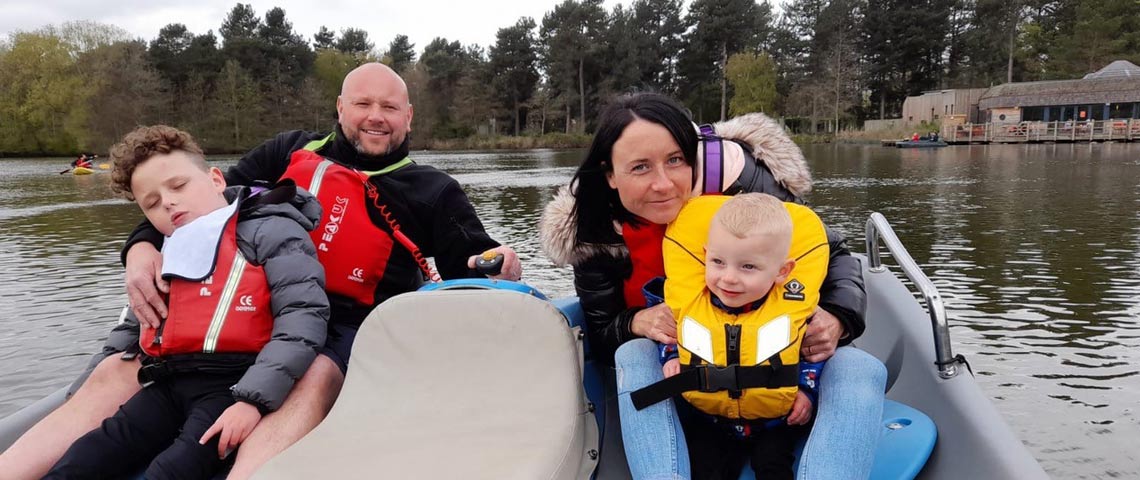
pixel 234 425
pixel 801 409
pixel 671 367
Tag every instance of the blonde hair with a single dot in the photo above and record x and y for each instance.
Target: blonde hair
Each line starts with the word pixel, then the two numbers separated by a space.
pixel 755 214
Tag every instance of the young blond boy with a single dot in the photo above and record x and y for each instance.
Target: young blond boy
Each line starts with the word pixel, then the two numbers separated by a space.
pixel 737 322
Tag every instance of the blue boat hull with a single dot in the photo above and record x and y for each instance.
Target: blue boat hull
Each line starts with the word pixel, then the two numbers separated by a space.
pixel 921 144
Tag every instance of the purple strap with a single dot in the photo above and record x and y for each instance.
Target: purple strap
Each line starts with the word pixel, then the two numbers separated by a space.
pixel 714 161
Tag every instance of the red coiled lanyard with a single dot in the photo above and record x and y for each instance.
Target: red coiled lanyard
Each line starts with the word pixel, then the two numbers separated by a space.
pixel 374 194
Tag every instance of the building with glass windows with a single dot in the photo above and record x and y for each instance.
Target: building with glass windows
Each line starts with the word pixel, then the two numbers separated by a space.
pixel 1111 93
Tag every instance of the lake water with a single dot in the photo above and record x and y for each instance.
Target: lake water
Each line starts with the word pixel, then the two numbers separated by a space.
pixel 1036 251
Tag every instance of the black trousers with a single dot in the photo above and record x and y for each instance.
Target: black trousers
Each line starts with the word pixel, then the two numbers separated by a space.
pixel 159 426
pixel 718 451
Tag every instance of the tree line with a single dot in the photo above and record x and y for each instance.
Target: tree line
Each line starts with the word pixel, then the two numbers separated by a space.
pixel 820 64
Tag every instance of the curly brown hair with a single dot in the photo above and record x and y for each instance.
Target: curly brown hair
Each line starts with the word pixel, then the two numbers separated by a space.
pixel 142 144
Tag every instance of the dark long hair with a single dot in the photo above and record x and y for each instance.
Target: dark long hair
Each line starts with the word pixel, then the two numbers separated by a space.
pixel 597 205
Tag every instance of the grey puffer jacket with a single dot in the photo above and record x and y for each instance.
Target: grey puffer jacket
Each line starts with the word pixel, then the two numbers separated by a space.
pixel 600 270
pixel 272 232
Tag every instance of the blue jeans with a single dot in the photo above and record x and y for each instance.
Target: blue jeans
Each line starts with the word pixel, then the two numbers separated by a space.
pixel 841 445
pixel 654 442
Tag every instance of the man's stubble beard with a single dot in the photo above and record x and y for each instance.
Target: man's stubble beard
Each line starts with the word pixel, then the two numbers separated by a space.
pixel 360 149
pixel 359 146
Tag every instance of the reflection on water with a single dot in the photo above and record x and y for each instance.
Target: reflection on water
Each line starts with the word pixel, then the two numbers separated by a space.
pixel 1035 249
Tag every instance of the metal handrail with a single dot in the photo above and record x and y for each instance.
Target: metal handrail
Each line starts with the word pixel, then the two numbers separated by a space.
pixel 879 228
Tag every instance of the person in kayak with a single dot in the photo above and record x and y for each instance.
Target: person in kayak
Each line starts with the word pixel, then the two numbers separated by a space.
pixel 82 162
pixel 246 312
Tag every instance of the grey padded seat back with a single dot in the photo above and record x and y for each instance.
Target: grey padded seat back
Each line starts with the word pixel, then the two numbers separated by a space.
pixel 455 384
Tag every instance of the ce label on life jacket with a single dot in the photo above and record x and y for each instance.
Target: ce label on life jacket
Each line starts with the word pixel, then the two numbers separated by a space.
pixel 773 337
pixel 697 339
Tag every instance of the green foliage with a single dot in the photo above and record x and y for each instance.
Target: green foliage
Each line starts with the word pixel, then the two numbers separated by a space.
pixel 329 69
pixel 571 38
pixel 445 64
pixel 993 23
pixel 640 47
pixel 240 23
pixel 402 53
pixel 80 85
pixel 514 63
pixel 902 46
pixel 85 35
pixel 721 28
pixel 166 53
pixel 42 97
pixel 354 41
pixel 323 39
pixel 238 110
pixel 126 92
pixel 753 80
pixel 474 102
pixel 286 57
pixel 1102 31
pixel 620 51
pixel 658 42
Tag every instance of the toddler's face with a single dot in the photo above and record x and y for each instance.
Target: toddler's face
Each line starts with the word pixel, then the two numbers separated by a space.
pixel 172 190
pixel 740 271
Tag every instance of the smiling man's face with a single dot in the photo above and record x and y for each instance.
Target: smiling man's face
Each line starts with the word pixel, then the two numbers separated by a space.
pixel 374 110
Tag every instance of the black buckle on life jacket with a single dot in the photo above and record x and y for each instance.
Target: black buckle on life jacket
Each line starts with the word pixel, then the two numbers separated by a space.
pixel 714 378
pixel 153 372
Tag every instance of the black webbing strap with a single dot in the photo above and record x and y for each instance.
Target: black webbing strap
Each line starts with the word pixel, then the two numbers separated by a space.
pixel 156 369
pixel 712 378
pixel 959 358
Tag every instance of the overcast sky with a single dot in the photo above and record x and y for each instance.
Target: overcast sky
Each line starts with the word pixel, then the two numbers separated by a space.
pixel 421 20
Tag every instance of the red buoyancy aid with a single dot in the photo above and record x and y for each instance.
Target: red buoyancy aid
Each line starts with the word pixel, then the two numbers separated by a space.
pixel 353 250
pixel 228 312
pixel 644 243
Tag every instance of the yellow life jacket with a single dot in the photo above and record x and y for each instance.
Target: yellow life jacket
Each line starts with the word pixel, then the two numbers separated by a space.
pixel 750 361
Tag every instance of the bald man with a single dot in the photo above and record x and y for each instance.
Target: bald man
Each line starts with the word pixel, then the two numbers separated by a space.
pixel 371 136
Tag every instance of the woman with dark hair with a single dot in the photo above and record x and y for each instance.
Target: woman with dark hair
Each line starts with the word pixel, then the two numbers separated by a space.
pixel 645 161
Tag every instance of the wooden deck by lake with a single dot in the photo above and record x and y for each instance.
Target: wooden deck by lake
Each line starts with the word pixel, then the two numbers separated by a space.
pixel 1122 130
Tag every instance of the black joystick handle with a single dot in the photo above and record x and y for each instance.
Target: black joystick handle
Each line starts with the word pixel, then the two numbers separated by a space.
pixel 490 263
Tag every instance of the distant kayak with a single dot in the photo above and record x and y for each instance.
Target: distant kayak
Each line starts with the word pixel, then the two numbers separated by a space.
pixel 82 171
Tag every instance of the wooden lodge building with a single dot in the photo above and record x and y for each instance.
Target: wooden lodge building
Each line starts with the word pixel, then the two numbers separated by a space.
pixel 1104 105
pixel 938 105
pixel 1113 92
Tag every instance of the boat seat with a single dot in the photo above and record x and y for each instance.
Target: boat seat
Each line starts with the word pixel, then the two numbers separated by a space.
pixel 905 444
pixel 455 384
pixel 907 439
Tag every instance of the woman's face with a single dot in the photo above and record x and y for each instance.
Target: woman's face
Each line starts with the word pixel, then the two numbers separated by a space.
pixel 649 172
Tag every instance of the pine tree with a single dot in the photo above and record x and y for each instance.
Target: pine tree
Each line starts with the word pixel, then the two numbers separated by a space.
pixel 514 63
